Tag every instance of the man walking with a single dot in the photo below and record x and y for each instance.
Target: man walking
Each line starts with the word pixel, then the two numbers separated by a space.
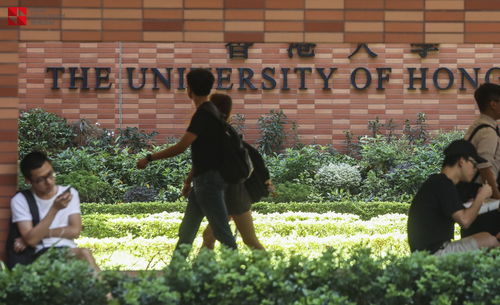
pixel 204 135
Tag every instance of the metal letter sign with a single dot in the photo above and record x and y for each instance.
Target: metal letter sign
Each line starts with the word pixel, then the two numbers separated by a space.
pixel 423 49
pixel 238 49
pixel 303 49
pixel 364 46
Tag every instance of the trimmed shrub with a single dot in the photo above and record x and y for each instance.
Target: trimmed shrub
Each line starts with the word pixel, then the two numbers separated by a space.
pixel 337 277
pixel 53 279
pixel 365 210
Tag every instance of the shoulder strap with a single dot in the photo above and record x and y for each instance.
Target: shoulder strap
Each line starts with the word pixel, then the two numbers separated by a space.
pixel 481 127
pixel 32 205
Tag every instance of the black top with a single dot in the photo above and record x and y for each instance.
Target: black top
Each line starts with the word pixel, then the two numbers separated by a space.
pixel 205 150
pixel 430 223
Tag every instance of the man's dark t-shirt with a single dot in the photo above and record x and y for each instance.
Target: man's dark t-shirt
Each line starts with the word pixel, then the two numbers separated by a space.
pixel 430 221
pixel 205 150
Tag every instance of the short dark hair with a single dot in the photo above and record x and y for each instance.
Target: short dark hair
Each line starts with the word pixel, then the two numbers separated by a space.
pixel 460 149
pixel 32 161
pixel 486 93
pixel 223 102
pixel 451 160
pixel 200 81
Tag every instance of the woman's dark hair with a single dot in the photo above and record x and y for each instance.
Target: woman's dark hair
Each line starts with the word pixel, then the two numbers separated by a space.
pixel 224 103
pixel 32 161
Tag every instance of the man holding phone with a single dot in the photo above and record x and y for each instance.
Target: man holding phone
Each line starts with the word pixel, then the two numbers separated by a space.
pixel 59 211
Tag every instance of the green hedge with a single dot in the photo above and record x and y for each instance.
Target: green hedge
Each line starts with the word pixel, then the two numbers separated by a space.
pixel 265 278
pixel 365 210
pixel 146 241
pixel 68 281
pixel 298 224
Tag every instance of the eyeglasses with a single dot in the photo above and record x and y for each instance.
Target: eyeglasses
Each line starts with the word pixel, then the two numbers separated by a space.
pixel 474 162
pixel 50 176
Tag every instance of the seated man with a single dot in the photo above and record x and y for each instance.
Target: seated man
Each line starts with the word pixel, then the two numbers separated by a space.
pixel 59 211
pixel 437 206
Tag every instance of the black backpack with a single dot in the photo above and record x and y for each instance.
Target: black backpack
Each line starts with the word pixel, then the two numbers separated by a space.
pixel 28 255
pixel 255 185
pixel 236 165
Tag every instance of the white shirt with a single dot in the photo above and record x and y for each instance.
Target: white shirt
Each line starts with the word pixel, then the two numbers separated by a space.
pixel 487 143
pixel 21 212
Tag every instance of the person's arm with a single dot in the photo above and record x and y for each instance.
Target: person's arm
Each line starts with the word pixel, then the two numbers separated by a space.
pixel 466 217
pixel 488 176
pixel 485 142
pixel 72 231
pixel 187 139
pixel 33 235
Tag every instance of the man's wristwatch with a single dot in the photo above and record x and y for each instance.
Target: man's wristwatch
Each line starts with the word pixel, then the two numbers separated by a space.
pixel 149 157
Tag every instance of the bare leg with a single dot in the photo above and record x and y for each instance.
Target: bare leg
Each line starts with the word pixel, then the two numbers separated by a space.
pixel 85 255
pixel 208 238
pixel 244 223
pixel 486 240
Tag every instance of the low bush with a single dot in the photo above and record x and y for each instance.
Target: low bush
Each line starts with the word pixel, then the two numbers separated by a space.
pixel 147 289
pixel 53 279
pixel 297 224
pixel 356 277
pixel 365 210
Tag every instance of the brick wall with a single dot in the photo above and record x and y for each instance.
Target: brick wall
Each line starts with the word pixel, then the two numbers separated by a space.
pixel 340 22
pixel 9 104
pixel 322 115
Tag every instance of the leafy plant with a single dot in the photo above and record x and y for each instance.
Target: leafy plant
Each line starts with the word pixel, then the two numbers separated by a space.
pixel 417 133
pixel 301 164
pixel 140 194
pixel 273 133
pixel 43 131
pixel 92 135
pixel 291 191
pixel 238 122
pixel 337 176
pixel 134 139
pixel 90 187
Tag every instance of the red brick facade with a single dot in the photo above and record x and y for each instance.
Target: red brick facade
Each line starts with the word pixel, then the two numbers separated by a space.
pixel 322 114
pixel 387 25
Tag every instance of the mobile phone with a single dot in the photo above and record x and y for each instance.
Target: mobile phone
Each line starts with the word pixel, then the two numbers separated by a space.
pixel 66 190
